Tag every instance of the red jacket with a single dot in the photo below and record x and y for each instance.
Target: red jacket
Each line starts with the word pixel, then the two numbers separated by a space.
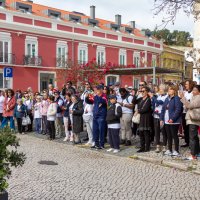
pixel 10 105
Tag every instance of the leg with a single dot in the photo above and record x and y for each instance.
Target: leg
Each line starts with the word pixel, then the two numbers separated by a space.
pixel 30 126
pixel 4 122
pixel 89 129
pixel 142 141
pixel 95 132
pixel 110 136
pixel 123 133
pixel 102 123
pixel 66 124
pixel 174 131
pixel 164 136
pixel 19 125
pixel 49 129
pixel 127 124
pixel 157 130
pixel 194 139
pixel 185 128
pixel 116 139
pixel 147 140
pixel 169 136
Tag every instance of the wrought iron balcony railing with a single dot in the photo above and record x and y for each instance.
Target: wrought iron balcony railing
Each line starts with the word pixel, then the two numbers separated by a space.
pixel 32 60
pixel 7 58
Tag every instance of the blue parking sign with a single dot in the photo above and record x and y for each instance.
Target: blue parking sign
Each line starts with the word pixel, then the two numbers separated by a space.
pixel 8 72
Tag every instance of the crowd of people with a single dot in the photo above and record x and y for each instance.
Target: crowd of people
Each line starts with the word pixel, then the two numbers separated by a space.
pixel 159 115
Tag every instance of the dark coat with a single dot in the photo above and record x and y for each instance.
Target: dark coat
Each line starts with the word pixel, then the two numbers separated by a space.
pixel 175 108
pixel 145 110
pixel 21 113
pixel 113 117
pixel 77 117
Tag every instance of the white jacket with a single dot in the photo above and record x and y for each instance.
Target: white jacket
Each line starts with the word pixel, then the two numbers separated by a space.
pixel 51 112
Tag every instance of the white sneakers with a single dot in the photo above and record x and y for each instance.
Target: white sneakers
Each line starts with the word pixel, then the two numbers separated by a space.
pixel 174 154
pixel 168 153
pixel 114 150
pixel 109 150
pixel 65 139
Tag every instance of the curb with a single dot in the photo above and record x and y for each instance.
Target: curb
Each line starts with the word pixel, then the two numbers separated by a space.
pixel 175 165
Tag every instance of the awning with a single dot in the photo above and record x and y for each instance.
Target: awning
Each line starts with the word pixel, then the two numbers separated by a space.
pixel 143 71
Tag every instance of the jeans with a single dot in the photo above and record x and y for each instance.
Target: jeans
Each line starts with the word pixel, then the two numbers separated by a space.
pixel 51 129
pixel 172 134
pixel 5 122
pixel 194 139
pixel 38 125
pixel 19 125
pixel 113 135
pixel 186 129
pixel 44 124
pixel 99 131
pixel 157 130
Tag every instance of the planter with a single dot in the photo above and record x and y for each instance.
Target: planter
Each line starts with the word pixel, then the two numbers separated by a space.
pixel 4 195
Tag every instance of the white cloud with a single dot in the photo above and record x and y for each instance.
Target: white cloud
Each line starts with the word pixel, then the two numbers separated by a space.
pixel 139 10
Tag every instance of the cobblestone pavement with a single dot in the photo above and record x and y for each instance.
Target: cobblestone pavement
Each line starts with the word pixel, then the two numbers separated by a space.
pixel 83 174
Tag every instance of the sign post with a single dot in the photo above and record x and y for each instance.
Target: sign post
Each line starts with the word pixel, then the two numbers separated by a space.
pixel 8 72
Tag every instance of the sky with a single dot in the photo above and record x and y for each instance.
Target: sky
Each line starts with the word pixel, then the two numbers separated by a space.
pixel 140 11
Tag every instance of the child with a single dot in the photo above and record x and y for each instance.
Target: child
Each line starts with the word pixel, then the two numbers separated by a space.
pixel 51 117
pixel 114 114
pixel 19 113
pixel 38 114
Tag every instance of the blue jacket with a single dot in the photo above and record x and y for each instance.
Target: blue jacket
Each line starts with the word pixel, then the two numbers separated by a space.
pixel 175 108
pixel 20 114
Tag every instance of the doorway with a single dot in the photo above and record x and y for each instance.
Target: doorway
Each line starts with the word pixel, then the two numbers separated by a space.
pixel 46 78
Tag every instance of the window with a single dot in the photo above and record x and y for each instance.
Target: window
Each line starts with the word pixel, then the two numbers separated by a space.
pixel 136 59
pixel 82 53
pixel 5 48
pixel 122 57
pixel 101 55
pixel 31 48
pixel 111 79
pixel 136 83
pixel 154 61
pixel 5 83
pixel 62 52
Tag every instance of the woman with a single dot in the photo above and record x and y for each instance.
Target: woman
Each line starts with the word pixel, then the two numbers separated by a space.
pixel 171 118
pixel 193 121
pixel 51 117
pixel 19 113
pixel 158 102
pixel 38 115
pixel 144 128
pixel 8 109
pixel 189 84
pixel 77 119
pixel 66 118
pixel 2 99
pixel 44 108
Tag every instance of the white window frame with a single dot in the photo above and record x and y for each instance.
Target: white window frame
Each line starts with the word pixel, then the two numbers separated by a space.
pixel 154 61
pixel 123 53
pixel 10 80
pixel 136 79
pixel 111 75
pixel 31 41
pixel 62 45
pixel 82 47
pixel 136 55
pixel 101 50
pixel 6 37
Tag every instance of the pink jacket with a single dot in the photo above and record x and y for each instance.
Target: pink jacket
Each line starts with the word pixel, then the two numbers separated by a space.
pixel 44 105
pixel 9 105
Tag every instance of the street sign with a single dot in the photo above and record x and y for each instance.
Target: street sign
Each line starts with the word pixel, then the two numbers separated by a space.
pixel 8 72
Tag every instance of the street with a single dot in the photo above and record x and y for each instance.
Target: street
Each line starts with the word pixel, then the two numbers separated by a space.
pixel 83 174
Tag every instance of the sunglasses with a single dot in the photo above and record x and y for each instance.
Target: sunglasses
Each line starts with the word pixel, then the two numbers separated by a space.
pixel 143 91
pixel 141 84
pixel 86 84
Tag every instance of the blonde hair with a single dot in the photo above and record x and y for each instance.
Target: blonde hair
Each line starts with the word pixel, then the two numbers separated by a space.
pixel 174 87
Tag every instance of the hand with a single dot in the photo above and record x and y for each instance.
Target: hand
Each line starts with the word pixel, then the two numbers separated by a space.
pixel 161 123
pixel 181 94
pixel 170 121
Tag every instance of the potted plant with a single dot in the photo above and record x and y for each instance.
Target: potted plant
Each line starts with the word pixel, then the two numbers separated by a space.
pixel 9 157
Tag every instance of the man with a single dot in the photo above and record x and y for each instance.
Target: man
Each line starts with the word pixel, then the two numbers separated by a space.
pixel 69 88
pixel 88 90
pixel 59 117
pixel 50 89
pixel 99 116
pixel 127 114
pixel 116 88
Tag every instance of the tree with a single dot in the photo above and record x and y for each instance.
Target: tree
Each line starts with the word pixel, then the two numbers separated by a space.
pixel 172 7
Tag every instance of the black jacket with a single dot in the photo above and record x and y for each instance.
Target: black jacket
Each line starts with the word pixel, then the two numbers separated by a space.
pixel 113 117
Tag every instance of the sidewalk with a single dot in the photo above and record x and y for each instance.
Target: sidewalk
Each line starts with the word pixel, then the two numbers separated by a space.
pixel 156 158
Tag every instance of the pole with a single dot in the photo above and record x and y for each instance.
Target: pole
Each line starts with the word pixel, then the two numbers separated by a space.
pixel 154 75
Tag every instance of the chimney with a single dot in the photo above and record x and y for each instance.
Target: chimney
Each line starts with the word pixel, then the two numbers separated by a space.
pixel 92 12
pixel 118 19
pixel 132 24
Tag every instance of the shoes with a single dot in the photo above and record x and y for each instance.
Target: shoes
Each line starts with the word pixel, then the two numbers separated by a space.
pixel 86 139
pixel 168 153
pixel 77 142
pixel 100 148
pixel 140 151
pixel 185 145
pixel 157 149
pixel 175 154
pixel 109 150
pixel 23 133
pixel 93 147
pixel 122 142
pixel 191 158
pixel 116 151
pixel 164 149
pixel 128 143
pixel 66 138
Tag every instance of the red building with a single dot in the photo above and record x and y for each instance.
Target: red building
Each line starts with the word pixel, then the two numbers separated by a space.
pixel 35 40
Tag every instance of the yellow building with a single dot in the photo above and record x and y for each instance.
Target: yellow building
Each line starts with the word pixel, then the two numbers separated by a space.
pixel 172 58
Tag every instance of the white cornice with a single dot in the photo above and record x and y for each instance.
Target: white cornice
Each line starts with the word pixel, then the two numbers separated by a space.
pixel 74 25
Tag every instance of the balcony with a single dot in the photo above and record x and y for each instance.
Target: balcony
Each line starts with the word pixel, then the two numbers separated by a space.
pixel 61 61
pixel 7 58
pixel 32 60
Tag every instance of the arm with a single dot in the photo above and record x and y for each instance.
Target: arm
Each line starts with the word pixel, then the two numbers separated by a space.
pixel 178 109
pixel 119 112
pixel 191 104
pixel 162 114
pixel 145 108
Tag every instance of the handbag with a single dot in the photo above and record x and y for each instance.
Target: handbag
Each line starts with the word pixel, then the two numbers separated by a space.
pixel 195 114
pixel 136 116
pixel 26 120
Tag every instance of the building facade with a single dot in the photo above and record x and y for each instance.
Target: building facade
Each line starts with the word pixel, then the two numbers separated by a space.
pixel 36 40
